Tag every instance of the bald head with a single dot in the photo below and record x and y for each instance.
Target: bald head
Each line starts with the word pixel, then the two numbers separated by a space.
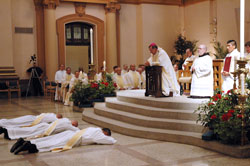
pixel 74 123
pixel 132 67
pixel 202 49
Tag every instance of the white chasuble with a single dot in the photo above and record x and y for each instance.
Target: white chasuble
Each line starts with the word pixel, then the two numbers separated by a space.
pixel 228 81
pixel 133 79
pixel 202 77
pixel 169 81
pixel 120 82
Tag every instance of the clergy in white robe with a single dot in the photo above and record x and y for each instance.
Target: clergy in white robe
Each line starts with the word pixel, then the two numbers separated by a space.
pixel 161 58
pixel 58 79
pixel 143 77
pixel 90 135
pixel 120 80
pixel 124 69
pixel 190 57
pixel 133 78
pixel 228 79
pixel 202 74
pixel 73 82
pixel 247 56
pixel 57 126
pixel 29 119
pixel 65 83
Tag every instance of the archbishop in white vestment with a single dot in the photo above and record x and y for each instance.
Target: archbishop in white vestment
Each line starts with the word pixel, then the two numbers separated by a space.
pixel 228 79
pixel 28 119
pixel 57 126
pixel 161 58
pixel 202 74
pixel 90 136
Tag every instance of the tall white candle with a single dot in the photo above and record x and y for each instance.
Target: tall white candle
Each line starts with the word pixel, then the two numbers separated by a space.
pixel 242 27
pixel 242 80
pixel 104 66
pixel 91 46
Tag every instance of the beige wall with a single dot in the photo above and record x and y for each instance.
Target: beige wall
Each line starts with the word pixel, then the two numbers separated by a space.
pixel 23 15
pixel 196 22
pixel 77 56
pixel 6 42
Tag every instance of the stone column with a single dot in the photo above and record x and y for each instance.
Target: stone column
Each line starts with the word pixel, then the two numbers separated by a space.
pixel 111 35
pixel 51 50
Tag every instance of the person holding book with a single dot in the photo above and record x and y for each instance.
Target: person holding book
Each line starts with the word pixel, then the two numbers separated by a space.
pixel 229 65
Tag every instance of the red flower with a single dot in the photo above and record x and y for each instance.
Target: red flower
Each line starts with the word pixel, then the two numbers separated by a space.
pixel 213 117
pixel 102 82
pixel 210 104
pixel 229 115
pixel 231 111
pixel 106 84
pixel 225 117
pixel 228 91
pixel 218 96
pixel 115 85
pixel 239 116
pixel 94 85
pixel 215 98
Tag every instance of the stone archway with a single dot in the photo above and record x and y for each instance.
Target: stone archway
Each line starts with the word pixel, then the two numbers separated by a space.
pixel 98 27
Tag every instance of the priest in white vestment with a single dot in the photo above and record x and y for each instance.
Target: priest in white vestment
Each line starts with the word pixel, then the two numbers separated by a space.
pixel 124 69
pixel 143 77
pixel 160 57
pixel 120 80
pixel 29 119
pixel 58 79
pixel 65 83
pixel 228 79
pixel 73 82
pixel 39 130
pixel 190 57
pixel 133 78
pixel 202 75
pixel 90 135
pixel 82 74
pixel 247 56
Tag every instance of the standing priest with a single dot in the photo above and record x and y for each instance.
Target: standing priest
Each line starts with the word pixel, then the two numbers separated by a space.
pixel 169 81
pixel 202 75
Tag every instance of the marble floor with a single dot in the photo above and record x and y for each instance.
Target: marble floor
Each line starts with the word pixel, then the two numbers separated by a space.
pixel 128 151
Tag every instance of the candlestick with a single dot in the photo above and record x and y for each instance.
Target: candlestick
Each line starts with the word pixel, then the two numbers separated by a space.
pixel 242 80
pixel 242 27
pixel 91 46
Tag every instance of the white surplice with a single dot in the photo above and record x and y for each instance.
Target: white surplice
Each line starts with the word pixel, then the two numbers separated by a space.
pixel 27 120
pixel 169 81
pixel 90 136
pixel 133 79
pixel 124 72
pixel 202 77
pixel 228 81
pixel 66 81
pixel 25 132
pixel 120 82
pixel 188 59
pixel 72 83
pixel 58 79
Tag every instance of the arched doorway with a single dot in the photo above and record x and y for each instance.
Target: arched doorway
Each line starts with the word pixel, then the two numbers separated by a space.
pixel 98 33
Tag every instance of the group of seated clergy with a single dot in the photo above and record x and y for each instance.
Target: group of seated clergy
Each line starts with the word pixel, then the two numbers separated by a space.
pixel 50 132
pixel 124 78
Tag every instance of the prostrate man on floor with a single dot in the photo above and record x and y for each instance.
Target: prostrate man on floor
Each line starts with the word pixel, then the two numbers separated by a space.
pixel 30 120
pixel 202 75
pixel 160 58
pixel 229 65
pixel 67 140
pixel 39 130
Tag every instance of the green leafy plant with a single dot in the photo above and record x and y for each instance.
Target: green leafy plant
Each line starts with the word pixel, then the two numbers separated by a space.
pixel 219 114
pixel 221 52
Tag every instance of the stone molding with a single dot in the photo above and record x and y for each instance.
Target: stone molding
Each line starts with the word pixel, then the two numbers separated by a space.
pixel 50 4
pixel 112 7
pixel 80 8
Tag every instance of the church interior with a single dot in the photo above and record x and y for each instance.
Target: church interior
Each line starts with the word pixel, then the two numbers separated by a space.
pixel 97 34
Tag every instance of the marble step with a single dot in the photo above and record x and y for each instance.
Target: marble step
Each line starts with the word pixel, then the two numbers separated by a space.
pixel 114 103
pixel 189 138
pixel 145 121
pixel 179 102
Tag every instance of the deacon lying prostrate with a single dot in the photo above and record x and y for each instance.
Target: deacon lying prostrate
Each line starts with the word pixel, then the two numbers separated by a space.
pixel 65 140
pixel 40 130
pixel 30 120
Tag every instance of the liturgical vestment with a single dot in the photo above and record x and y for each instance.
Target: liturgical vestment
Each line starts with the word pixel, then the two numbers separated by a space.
pixel 202 76
pixel 169 81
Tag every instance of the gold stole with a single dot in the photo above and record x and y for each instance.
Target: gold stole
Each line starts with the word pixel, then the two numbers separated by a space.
pixel 136 79
pixel 71 142
pixel 120 81
pixel 36 121
pixel 49 130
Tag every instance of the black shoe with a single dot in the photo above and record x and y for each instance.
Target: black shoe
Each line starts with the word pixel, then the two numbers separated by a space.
pixel 1 130
pixel 23 147
pixel 33 149
pixel 19 142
